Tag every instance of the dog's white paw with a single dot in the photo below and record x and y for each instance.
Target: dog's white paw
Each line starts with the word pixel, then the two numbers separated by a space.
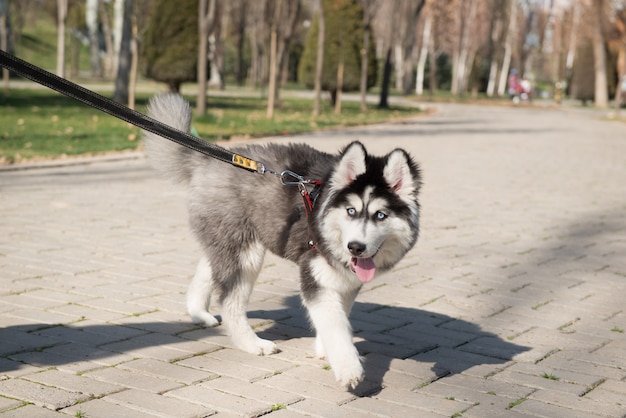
pixel 349 373
pixel 205 318
pixel 258 346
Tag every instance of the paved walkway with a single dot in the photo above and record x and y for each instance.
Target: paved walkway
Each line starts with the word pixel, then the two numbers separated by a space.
pixel 512 303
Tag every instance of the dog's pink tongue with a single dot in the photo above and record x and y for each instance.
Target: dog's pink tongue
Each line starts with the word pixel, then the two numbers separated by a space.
pixel 364 268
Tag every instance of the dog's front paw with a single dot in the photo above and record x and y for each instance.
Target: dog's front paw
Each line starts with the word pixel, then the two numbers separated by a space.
pixel 349 373
pixel 266 347
pixel 204 318
pixel 257 346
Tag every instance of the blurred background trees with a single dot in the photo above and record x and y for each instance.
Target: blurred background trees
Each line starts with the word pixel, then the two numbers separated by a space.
pixel 406 47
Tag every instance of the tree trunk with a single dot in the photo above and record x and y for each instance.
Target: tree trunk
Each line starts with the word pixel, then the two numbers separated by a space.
pixel 240 36
pixel 339 83
pixel 571 50
pixel 599 58
pixel 508 46
pixel 384 91
pixel 117 32
pixel 124 59
pixel 319 60
pixel 91 12
pixel 421 63
pixel 62 16
pixel 206 21
pixel 493 67
pixel 134 64
pixel 364 61
pixel 432 73
pixel 462 61
pixel 4 45
pixel 271 94
pixel 108 41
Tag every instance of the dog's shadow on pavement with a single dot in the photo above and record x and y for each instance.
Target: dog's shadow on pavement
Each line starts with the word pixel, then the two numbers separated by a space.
pixel 406 344
pixel 398 344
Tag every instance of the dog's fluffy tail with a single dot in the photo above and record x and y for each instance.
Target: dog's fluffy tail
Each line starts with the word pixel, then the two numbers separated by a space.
pixel 171 159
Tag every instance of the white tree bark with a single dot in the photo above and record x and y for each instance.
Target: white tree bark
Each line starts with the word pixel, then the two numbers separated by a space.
pixel 91 19
pixel 599 58
pixel 62 16
pixel 118 22
pixel 508 46
pixel 319 60
pixel 421 63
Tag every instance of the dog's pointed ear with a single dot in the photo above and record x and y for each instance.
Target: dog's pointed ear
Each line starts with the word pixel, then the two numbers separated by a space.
pixel 351 165
pixel 399 174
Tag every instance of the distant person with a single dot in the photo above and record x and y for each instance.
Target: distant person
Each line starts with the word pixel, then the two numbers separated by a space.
pixel 514 88
pixel 526 89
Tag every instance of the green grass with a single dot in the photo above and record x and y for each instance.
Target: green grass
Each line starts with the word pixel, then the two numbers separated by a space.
pixel 549 376
pixel 42 124
pixel 37 124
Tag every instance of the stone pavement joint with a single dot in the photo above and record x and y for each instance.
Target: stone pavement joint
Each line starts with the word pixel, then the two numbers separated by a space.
pixel 511 304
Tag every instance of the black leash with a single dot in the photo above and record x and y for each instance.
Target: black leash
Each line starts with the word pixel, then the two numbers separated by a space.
pixel 90 98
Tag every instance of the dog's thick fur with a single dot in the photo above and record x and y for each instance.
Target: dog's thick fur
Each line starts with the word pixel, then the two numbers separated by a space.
pixel 365 220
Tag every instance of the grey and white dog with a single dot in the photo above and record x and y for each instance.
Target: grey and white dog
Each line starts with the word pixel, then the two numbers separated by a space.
pixel 364 221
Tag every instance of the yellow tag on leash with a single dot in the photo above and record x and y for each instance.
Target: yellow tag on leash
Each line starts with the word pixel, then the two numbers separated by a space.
pixel 244 162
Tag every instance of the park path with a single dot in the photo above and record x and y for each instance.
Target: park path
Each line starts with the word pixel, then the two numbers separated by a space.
pixel 512 303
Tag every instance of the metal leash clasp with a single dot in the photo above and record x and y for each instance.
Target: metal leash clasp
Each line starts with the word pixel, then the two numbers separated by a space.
pixel 289 178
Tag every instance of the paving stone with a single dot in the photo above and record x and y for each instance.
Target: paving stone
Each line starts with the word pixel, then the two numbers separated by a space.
pixel 582 404
pixel 8 404
pixel 103 408
pixel 165 370
pixel 253 391
pixel 120 377
pixel 220 401
pixel 162 406
pixel 32 411
pixel 308 388
pixel 382 408
pixel 72 382
pixel 41 395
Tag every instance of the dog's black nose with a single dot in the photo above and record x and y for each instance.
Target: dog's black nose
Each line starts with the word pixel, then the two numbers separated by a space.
pixel 356 248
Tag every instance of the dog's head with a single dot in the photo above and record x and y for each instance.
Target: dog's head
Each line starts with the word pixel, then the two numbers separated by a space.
pixel 370 216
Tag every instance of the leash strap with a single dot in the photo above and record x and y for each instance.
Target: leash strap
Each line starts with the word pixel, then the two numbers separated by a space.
pixel 90 98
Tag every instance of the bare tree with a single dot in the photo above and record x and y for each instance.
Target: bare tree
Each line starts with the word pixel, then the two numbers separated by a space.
pixel 508 48
pixel 496 42
pixel 369 10
pixel 285 17
pixel 236 10
pixel 257 32
pixel 423 55
pixel 4 39
pixel 460 61
pixel 620 26
pixel 91 17
pixel 319 60
pixel 599 55
pixel 271 95
pixel 124 59
pixel 207 15
pixel 406 48
pixel 61 18
pixel 107 34
pixel 571 51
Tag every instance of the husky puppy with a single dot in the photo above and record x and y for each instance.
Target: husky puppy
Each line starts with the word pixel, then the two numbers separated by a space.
pixel 364 220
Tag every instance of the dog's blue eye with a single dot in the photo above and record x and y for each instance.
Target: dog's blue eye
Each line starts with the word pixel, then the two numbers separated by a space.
pixel 379 216
pixel 351 212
